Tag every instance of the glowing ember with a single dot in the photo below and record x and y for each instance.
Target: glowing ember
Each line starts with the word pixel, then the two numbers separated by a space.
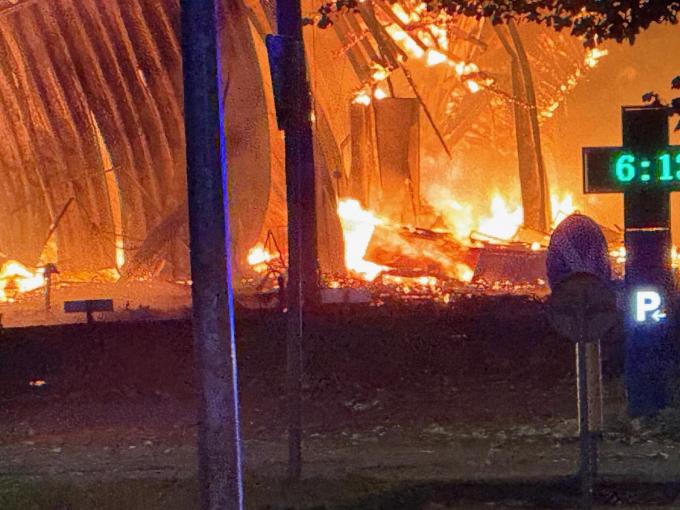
pixel 15 278
pixel 401 13
pixel 619 254
pixel 379 94
pixel 504 222
pixel 357 228
pixel 362 98
pixel 258 257
pixel 473 86
pixel 405 41
pixel 435 57
pixel 379 72
pixel 593 55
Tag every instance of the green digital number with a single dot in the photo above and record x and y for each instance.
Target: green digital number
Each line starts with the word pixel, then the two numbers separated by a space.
pixel 666 174
pixel 624 168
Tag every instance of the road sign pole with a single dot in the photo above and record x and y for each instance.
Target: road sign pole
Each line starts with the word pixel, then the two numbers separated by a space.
pixel 588 454
pixel 595 391
pixel 648 266
pixel 582 308
pixel 593 399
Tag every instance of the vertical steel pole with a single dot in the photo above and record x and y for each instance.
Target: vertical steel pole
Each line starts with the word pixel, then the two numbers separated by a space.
pixel 586 440
pixel 301 199
pixel 219 451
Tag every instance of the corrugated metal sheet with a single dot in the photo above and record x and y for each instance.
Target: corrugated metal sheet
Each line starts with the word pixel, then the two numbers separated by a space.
pixel 91 89
pixel 65 64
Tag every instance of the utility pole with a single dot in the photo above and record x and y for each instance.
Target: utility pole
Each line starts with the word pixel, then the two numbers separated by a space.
pixel 303 292
pixel 219 448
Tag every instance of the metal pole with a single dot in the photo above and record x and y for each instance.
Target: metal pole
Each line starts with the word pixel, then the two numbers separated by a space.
pixel 219 452
pixel 586 462
pixel 301 198
pixel 595 399
pixel 299 148
pixel 48 289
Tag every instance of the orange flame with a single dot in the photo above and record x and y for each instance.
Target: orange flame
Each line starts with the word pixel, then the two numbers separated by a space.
pixel 561 208
pixel 357 228
pixel 259 257
pixel 15 278
pixel 504 221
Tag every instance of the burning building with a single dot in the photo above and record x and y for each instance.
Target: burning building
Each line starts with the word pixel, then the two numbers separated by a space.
pixel 406 103
pixel 436 142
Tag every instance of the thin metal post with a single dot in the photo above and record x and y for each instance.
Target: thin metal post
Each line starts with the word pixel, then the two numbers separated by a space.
pixel 219 453
pixel 302 288
pixel 586 439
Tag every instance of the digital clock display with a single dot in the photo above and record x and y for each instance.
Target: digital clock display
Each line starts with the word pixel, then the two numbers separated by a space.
pixel 629 168
pixel 615 169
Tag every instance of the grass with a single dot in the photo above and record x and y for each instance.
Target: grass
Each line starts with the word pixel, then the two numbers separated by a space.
pixel 153 494
pixel 352 493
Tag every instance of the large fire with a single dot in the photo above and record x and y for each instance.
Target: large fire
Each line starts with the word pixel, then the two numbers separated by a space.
pixel 464 223
pixel 376 246
pixel 500 224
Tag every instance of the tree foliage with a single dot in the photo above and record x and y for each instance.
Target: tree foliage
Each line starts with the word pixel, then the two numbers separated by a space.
pixel 592 20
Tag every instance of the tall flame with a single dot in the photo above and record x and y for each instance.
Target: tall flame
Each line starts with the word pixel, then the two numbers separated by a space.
pixel 561 208
pixel 357 228
pixel 504 221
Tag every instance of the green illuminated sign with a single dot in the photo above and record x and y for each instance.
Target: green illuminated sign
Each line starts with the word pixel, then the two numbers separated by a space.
pixel 663 167
pixel 615 169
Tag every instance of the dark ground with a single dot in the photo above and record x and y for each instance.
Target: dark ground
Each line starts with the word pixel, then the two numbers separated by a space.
pixel 481 363
pixel 472 362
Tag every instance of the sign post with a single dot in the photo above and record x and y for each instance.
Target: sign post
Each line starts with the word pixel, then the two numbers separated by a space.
pixel 583 309
pixel 646 169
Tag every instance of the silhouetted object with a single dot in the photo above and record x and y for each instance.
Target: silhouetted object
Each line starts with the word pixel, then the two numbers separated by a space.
pixel 219 447
pixel 88 307
pixel 50 269
pixel 577 245
pixel 303 290
pixel 281 281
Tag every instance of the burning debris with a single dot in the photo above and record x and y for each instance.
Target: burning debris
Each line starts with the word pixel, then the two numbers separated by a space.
pixel 464 249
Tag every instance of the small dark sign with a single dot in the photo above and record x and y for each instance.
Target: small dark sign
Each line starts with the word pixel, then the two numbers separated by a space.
pixel 88 305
